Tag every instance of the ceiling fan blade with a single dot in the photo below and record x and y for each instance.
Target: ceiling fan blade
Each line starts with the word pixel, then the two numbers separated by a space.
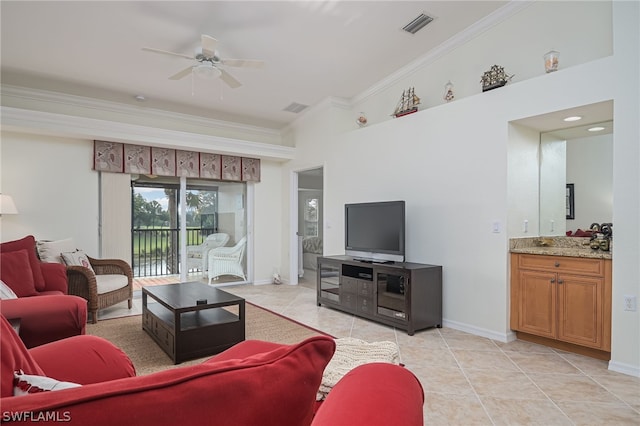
pixel 246 63
pixel 208 45
pixel 165 52
pixel 230 80
pixel 182 74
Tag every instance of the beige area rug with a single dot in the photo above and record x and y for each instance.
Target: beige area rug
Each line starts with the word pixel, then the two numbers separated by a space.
pixel 127 334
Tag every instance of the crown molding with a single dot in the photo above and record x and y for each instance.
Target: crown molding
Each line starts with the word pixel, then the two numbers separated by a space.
pixel 47 96
pixel 39 122
pixel 505 12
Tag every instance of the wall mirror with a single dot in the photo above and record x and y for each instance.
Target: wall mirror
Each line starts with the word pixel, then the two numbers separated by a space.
pixel 576 178
pixel 577 152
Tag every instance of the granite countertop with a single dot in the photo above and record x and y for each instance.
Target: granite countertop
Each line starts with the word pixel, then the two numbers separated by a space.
pixel 557 246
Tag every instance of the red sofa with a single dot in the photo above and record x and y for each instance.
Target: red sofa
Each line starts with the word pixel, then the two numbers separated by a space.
pixel 46 312
pixel 252 383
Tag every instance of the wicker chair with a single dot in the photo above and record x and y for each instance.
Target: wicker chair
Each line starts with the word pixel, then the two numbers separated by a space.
pixel 104 287
pixel 227 261
pixel 197 255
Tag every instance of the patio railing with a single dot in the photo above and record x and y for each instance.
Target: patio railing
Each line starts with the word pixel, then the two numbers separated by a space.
pixel 156 252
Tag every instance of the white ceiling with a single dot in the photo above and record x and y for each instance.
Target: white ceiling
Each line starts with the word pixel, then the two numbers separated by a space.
pixel 313 49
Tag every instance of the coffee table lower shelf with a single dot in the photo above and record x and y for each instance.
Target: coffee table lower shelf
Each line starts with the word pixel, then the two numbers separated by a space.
pixel 203 332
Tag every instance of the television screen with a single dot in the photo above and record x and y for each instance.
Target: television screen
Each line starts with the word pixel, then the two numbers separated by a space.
pixel 375 231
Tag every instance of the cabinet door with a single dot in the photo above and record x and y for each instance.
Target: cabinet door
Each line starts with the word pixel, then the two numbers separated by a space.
pixel 537 303
pixel 329 281
pixel 580 314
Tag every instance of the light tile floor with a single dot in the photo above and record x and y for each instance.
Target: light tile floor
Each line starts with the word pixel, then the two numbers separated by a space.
pixel 471 380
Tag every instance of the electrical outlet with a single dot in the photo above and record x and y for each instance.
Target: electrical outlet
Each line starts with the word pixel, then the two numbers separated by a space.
pixel 630 303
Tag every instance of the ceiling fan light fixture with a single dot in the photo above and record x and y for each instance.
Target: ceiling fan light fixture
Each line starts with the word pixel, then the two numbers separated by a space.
pixel 207 71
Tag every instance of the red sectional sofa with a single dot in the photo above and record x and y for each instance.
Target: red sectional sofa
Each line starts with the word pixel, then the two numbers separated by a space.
pixel 46 312
pixel 252 383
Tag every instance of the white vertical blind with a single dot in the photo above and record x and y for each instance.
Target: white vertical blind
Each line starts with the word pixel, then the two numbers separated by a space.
pixel 115 216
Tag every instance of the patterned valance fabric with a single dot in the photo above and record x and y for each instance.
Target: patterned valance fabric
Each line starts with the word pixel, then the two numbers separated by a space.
pixel 115 157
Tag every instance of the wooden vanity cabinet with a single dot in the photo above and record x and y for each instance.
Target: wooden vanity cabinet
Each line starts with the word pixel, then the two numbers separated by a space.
pixel 567 299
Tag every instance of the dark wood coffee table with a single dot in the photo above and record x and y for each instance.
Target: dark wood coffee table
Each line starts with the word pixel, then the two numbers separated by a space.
pixel 189 320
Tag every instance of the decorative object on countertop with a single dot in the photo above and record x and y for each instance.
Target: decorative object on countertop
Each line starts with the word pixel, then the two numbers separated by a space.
pixel 448 92
pixel 602 235
pixel 362 119
pixel 545 242
pixel 408 103
pixel 494 78
pixel 551 59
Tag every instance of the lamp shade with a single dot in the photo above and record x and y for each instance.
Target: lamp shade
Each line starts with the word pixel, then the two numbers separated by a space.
pixel 7 206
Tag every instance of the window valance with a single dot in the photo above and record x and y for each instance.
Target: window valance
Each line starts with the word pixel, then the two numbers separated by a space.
pixel 116 157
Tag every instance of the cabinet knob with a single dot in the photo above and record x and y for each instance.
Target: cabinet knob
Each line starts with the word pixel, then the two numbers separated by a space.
pixel 560 281
pixel 553 280
pixel 557 264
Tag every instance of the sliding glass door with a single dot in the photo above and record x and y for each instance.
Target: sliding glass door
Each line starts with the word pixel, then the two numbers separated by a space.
pixel 210 208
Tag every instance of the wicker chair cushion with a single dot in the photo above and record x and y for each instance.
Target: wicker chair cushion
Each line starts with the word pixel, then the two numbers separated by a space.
pixel 111 282
pixel 50 251
pixel 76 257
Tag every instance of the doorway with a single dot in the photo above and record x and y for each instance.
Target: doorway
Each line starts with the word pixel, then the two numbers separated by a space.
pixel 309 224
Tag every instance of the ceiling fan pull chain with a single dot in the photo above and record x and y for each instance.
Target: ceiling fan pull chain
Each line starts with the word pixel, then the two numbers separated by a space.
pixel 192 83
pixel 221 89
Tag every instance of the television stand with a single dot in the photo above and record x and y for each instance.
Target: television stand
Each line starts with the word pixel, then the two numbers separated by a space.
pixel 404 295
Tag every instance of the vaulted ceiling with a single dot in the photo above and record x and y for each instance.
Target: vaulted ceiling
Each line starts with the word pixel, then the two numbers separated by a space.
pixel 312 50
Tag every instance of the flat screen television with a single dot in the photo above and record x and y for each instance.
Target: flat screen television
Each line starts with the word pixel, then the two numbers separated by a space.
pixel 374 232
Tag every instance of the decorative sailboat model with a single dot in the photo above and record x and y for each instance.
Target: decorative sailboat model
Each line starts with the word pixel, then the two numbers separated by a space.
pixel 408 103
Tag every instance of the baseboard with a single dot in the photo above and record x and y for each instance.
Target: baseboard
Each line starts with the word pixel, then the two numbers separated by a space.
pixel 478 331
pixel 621 367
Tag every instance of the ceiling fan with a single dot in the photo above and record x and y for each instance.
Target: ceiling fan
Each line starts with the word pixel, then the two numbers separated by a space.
pixel 208 62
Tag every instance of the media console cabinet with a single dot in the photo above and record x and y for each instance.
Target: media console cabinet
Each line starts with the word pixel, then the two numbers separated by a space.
pixel 405 295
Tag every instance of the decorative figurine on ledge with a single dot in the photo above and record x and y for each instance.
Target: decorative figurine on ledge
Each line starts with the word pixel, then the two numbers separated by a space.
pixel 408 103
pixel 551 59
pixel 448 92
pixel 362 119
pixel 494 78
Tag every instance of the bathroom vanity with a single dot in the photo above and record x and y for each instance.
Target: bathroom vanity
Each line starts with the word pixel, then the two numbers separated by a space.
pixel 561 295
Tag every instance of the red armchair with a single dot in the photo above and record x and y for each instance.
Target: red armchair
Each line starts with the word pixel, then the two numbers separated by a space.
pixel 46 312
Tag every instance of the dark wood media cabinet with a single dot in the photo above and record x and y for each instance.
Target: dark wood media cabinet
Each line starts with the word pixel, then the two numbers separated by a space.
pixel 405 295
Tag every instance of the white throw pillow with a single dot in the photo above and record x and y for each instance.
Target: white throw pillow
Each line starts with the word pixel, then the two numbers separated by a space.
pixel 50 251
pixel 6 292
pixel 24 384
pixel 77 258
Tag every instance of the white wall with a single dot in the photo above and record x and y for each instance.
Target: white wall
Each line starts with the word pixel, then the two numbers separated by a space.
pixel 57 196
pixel 522 181
pixel 454 180
pixel 451 164
pixel 54 188
pixel 518 44
pixel 267 222
pixel 625 338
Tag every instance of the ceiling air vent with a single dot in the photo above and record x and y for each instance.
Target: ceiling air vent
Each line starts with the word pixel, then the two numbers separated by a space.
pixel 417 24
pixel 295 107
